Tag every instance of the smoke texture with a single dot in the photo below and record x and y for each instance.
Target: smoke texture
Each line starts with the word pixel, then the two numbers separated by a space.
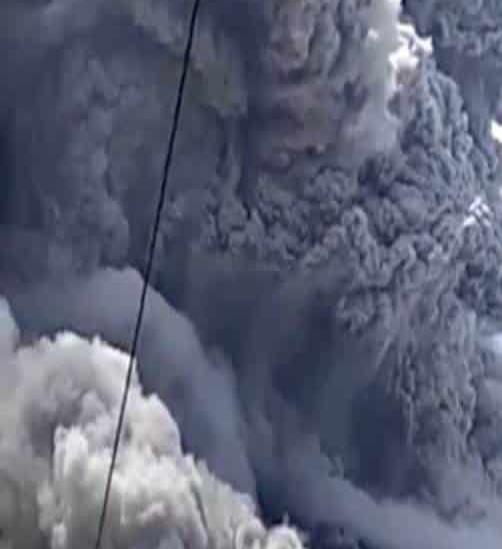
pixel 60 401
pixel 325 313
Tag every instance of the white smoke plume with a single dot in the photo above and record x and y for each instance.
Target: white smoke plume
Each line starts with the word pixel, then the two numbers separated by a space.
pixel 331 244
pixel 201 392
pixel 60 401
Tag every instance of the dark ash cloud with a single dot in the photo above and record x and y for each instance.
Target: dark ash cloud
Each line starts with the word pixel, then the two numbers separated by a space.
pixel 330 249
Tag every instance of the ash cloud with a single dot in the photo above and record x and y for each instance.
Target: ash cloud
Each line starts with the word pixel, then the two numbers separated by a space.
pixel 467 40
pixel 60 399
pixel 331 243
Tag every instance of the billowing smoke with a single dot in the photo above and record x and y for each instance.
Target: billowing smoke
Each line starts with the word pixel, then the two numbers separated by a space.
pixel 326 301
pixel 467 37
pixel 60 400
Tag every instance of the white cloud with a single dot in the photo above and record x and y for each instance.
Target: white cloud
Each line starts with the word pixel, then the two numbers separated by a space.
pixel 56 432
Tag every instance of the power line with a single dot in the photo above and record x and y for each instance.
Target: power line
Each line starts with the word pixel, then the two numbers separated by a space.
pixel 149 266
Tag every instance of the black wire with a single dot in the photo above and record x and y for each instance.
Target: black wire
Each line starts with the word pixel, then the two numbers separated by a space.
pixel 149 266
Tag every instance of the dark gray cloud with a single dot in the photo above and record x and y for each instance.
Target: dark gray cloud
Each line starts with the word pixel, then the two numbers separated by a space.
pixel 467 38
pixel 331 237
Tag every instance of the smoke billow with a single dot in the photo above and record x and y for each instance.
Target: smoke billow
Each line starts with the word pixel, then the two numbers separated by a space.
pixel 326 301
pixel 60 401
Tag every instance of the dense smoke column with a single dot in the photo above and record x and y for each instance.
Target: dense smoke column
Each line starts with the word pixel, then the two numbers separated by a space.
pixel 333 231
pixel 393 244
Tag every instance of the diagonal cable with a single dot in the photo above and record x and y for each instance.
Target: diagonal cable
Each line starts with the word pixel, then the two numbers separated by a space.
pixel 149 267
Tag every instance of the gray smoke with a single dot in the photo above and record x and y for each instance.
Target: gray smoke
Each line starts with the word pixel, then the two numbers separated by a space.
pixel 60 399
pixel 330 247
pixel 467 38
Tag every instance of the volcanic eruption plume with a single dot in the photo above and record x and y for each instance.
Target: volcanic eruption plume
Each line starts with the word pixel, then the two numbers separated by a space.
pixel 321 361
